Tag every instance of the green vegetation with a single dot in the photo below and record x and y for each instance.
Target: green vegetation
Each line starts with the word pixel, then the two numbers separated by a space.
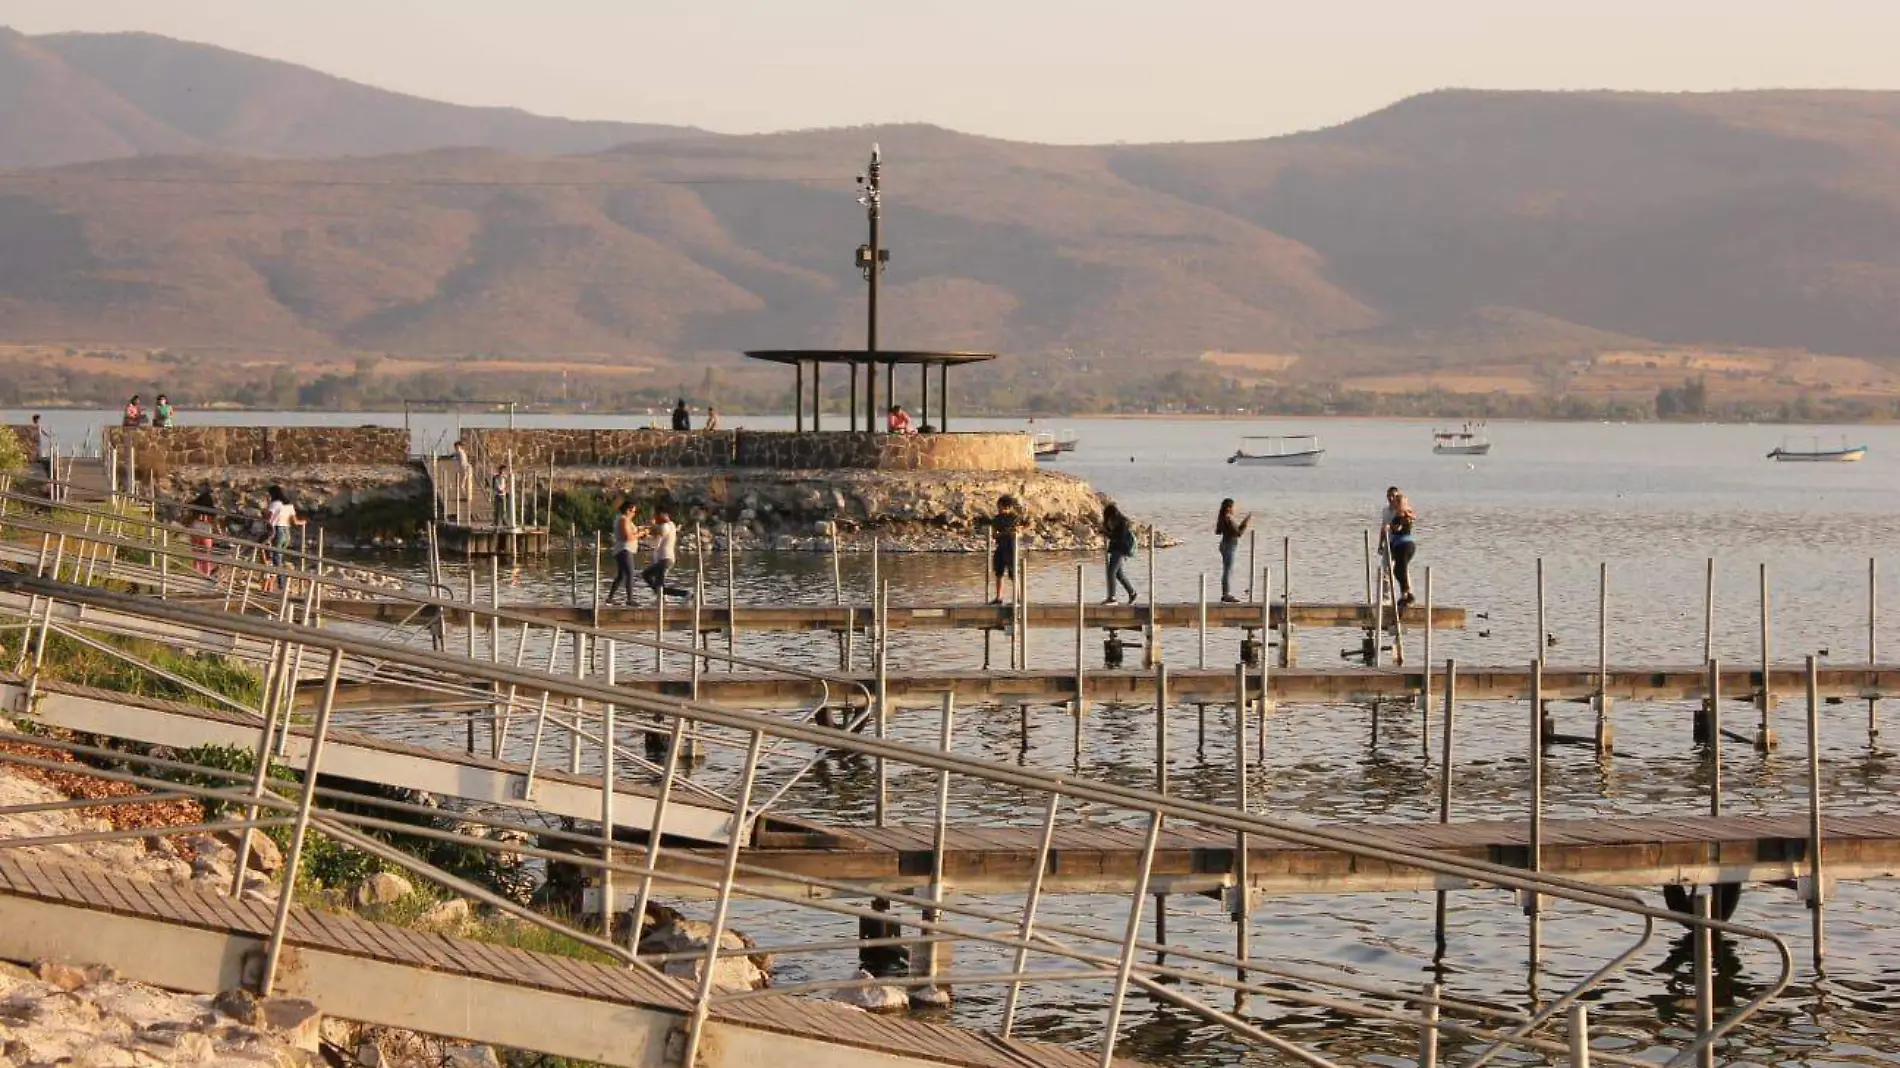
pixel 581 511
pixel 12 452
pixel 69 660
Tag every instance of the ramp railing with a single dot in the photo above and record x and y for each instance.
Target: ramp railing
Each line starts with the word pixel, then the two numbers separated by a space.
pixel 831 924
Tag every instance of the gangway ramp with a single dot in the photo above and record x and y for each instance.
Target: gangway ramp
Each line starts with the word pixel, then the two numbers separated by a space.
pixel 182 939
pixel 364 757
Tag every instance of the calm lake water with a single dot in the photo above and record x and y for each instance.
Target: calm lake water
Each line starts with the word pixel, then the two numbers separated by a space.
pixel 1653 503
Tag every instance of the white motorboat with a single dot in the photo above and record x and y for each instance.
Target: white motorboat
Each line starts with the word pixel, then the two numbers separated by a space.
pixel 1467 442
pixel 1045 447
pixel 1278 450
pixel 1814 453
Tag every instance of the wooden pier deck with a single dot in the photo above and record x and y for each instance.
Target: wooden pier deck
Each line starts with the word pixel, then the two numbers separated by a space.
pixel 1629 851
pixel 364 757
pixel 825 617
pixel 1343 685
pixel 182 939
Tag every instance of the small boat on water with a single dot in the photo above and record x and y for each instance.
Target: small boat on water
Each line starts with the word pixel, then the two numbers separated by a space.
pixel 1278 450
pixel 1467 442
pixel 1066 440
pixel 1045 447
pixel 1814 453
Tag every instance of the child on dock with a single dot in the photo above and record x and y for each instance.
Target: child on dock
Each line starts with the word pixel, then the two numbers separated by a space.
pixel 1230 532
pixel 1004 526
pixel 1119 533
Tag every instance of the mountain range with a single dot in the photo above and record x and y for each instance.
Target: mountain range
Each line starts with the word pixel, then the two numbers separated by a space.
pixel 166 194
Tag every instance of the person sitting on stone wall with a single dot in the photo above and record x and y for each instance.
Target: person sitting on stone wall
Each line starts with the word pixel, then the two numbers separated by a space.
pixel 162 412
pixel 898 421
pixel 712 419
pixel 682 418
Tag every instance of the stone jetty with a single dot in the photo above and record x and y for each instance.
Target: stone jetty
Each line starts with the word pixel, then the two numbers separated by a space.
pixel 784 490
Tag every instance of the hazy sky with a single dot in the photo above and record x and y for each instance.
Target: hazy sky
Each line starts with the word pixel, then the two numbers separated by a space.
pixel 1048 70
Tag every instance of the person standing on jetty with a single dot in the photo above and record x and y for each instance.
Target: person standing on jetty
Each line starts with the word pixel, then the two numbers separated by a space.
pixel 503 486
pixel 682 419
pixel 1230 533
pixel 626 536
pixel 1004 526
pixel 666 540
pixel 1396 542
pixel 1119 533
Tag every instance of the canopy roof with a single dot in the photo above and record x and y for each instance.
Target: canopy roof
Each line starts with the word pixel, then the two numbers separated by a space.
pixel 865 356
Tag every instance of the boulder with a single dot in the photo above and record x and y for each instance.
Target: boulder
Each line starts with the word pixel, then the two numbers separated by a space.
pixel 733 971
pixel 297 1022
pixel 466 1055
pixel 874 998
pixel 382 888
pixel 69 977
pixel 447 916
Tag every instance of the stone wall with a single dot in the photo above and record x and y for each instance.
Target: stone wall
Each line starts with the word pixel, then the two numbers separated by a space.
pixel 774 450
pixel 241 446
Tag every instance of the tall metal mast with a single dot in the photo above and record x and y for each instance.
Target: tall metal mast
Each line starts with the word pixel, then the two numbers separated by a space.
pixel 871 260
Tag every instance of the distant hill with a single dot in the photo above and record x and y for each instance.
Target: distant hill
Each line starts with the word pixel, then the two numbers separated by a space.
pixel 1452 229
pixel 76 97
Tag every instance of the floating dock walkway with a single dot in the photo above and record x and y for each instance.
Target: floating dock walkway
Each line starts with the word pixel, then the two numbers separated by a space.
pixel 863 617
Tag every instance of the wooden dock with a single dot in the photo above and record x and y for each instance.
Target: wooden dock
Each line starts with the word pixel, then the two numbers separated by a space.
pixel 366 758
pixel 182 939
pixel 862 617
pixel 1628 851
pixel 1343 685
pixel 487 539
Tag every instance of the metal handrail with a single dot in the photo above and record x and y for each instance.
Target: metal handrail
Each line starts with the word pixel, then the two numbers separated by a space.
pixel 1358 842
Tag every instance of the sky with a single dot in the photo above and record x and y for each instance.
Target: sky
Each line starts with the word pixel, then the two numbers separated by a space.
pixel 1040 70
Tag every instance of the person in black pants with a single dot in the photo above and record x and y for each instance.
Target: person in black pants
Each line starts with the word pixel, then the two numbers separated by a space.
pixel 1004 525
pixel 1120 536
pixel 1397 540
pixel 1230 531
pixel 626 536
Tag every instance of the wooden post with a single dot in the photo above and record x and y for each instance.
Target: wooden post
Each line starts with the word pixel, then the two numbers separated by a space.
pixel 1713 728
pixel 1288 656
pixel 1533 905
pixel 1201 626
pixel 1425 684
pixel 1266 662
pixel 1081 638
pixel 1765 736
pixel 1152 653
pixel 732 603
pixel 1606 733
pixel 1817 875
pixel 596 581
pixel 1239 904
pixel 1873 615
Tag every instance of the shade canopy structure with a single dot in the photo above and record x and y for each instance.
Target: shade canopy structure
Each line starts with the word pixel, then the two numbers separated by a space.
pixel 890 360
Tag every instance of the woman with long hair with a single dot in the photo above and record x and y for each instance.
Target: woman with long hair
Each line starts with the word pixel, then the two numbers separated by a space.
pixel 1119 533
pixel 1230 532
pixel 626 536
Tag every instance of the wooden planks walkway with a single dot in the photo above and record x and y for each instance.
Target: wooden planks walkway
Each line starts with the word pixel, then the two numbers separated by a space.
pixel 1343 685
pixel 1633 851
pixel 398 970
pixel 825 617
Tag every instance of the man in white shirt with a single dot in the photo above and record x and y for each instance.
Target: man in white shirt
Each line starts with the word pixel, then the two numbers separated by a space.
pixel 666 538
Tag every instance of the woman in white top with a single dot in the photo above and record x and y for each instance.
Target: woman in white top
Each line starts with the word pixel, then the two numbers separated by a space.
pixel 281 516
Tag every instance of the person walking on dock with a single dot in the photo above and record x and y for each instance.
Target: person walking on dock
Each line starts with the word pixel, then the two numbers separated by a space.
pixel 280 517
pixel 682 418
pixel 1230 532
pixel 1004 525
pixel 1396 542
pixel 626 536
pixel 1119 533
pixel 503 486
pixel 204 527
pixel 464 485
pixel 666 539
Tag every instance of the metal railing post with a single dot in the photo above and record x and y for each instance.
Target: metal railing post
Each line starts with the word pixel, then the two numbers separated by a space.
pixel 607 799
pixel 1131 941
pixel 287 894
pixel 702 998
pixel 1030 903
pixel 668 774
